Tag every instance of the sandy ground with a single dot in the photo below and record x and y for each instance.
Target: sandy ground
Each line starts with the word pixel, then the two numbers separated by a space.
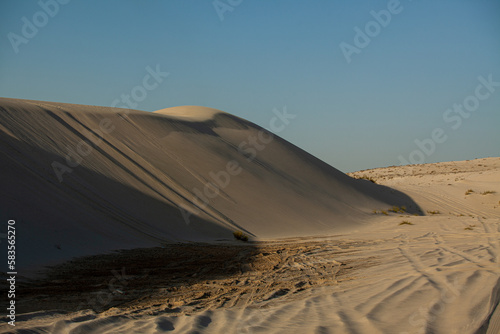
pixel 438 274
pixel 106 248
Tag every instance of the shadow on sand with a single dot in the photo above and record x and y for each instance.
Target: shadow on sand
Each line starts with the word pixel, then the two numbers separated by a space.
pixel 389 196
pixel 54 222
pixel 88 214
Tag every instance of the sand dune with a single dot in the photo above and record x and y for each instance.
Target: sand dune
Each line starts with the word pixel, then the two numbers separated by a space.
pixel 439 275
pixel 327 254
pixel 86 179
pixel 191 113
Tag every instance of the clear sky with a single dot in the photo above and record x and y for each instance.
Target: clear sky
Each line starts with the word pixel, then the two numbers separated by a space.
pixel 363 86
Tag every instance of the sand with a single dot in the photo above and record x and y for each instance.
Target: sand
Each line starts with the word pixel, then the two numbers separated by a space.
pixel 191 113
pixel 85 180
pixel 330 256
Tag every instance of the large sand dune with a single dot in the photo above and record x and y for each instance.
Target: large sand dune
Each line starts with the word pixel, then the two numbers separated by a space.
pixel 439 274
pixel 82 180
pixel 327 255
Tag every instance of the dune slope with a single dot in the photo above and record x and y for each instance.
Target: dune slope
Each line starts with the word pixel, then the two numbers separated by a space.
pixel 83 180
pixel 437 273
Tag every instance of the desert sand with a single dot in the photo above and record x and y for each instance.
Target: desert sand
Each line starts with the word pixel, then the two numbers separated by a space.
pixel 415 251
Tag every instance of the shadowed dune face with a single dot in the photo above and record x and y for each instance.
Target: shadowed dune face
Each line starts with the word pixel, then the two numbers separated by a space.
pixel 105 178
pixel 86 214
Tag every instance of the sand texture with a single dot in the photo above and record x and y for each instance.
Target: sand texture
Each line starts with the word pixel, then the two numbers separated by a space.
pixel 415 251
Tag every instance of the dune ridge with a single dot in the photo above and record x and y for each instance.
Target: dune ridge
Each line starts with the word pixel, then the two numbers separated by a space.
pixel 190 113
pixel 89 179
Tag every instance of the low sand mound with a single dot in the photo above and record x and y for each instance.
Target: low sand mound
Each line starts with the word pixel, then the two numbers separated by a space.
pixel 83 180
pixel 190 113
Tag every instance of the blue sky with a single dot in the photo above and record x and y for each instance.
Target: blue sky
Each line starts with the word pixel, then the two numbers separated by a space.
pixel 251 56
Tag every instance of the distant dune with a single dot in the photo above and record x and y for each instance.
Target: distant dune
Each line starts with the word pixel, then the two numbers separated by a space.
pixel 84 180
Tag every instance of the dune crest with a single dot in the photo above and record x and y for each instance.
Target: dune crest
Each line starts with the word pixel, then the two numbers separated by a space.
pixel 190 113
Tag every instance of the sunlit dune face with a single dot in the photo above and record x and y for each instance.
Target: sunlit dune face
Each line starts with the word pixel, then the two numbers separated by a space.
pixel 190 113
